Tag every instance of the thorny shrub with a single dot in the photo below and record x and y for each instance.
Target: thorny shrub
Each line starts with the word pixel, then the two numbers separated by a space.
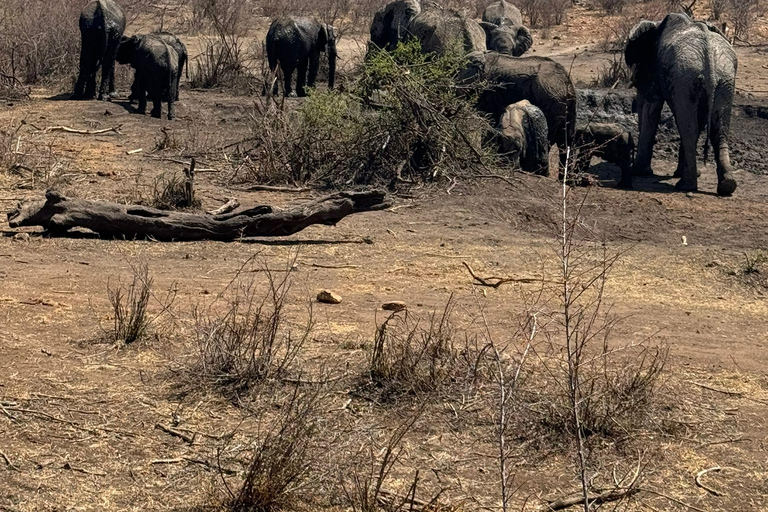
pixel 545 13
pixel 130 304
pixel 404 121
pixel 250 341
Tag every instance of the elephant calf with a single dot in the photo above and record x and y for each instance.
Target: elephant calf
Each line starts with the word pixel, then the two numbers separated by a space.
pixel 181 50
pixel 157 70
pixel 607 141
pixel 504 29
pixel 523 137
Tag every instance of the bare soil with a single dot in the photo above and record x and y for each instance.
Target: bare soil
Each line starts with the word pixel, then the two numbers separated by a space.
pixel 79 433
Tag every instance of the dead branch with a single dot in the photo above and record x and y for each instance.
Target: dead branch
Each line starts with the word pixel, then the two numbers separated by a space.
pixel 710 490
pixel 8 461
pixel 271 188
pixel 723 391
pixel 191 460
pixel 67 129
pixel 594 499
pixel 58 214
pixel 495 282
pixel 227 207
pixel 69 466
pixel 172 431
pixel 320 265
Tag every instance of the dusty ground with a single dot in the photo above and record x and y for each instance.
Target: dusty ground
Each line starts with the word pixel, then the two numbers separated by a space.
pixel 79 433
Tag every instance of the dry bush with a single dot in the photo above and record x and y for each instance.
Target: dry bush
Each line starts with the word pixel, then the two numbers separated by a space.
pixel 170 191
pixel 545 13
pixel 743 14
pixel 403 122
pixel 614 73
pixel 222 63
pixel 409 357
pixel 250 341
pixel 130 313
pixel 30 162
pixel 719 7
pixel 283 458
pixel 612 6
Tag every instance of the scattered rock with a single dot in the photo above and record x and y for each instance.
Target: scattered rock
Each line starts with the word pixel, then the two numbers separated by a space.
pixel 21 237
pixel 394 305
pixel 105 173
pixel 328 297
pixel 689 194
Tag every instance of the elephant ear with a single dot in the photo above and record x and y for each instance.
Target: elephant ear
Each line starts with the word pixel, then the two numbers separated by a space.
pixel 640 52
pixel 523 41
pixel 488 27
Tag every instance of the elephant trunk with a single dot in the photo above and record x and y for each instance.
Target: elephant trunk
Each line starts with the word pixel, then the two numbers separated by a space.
pixel 331 67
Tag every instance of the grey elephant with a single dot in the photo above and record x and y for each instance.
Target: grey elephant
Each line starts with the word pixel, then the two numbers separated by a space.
pixel 296 44
pixel 390 23
pixel 504 29
pixel 438 29
pixel 102 24
pixel 523 137
pixel 540 80
pixel 181 51
pixel 608 141
pixel 157 69
pixel 691 67
pixel 502 13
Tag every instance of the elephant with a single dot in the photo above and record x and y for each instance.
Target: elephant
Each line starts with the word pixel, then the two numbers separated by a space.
pixel 102 24
pixel 522 136
pixel 181 51
pixel 540 80
pixel 504 30
pixel 692 68
pixel 512 40
pixel 608 141
pixel 157 69
pixel 502 13
pixel 296 43
pixel 438 29
pixel 390 23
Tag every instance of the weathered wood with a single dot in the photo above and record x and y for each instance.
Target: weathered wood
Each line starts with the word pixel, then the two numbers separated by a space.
pixel 58 214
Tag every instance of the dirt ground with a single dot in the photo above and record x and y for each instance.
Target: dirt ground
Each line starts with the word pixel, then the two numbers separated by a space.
pixel 79 432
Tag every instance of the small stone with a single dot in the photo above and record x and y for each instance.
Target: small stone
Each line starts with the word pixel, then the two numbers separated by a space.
pixel 689 194
pixel 394 305
pixel 105 173
pixel 21 237
pixel 328 297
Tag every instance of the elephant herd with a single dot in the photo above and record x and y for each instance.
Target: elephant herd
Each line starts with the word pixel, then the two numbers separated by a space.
pixel 688 65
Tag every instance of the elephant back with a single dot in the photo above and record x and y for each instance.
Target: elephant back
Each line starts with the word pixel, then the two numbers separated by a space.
pixel 390 23
pixel 438 29
pixel 503 13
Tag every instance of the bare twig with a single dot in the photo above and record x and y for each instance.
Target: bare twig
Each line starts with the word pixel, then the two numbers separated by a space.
pixel 723 391
pixel 67 129
pixel 495 282
pixel 8 461
pixel 703 472
pixel 227 207
pixel 174 432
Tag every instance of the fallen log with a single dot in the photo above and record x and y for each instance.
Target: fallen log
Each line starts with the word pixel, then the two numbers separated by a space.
pixel 58 214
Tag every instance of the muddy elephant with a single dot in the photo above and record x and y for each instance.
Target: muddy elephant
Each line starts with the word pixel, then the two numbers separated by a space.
pixel 439 29
pixel 390 23
pixel 691 67
pixel 181 51
pixel 296 44
pixel 608 141
pixel 522 137
pixel 102 24
pixel 502 13
pixel 504 29
pixel 157 68
pixel 540 80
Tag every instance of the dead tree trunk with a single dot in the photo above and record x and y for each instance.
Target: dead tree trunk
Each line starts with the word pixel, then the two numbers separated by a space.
pixel 57 214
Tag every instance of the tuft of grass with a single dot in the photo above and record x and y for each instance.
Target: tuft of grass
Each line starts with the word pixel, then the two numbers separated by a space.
pixel 129 307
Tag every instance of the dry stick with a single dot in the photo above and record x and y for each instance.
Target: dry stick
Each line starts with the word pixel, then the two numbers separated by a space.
pixel 320 265
pixel 8 461
pixel 724 391
pixel 703 472
pixel 73 424
pixel 193 461
pixel 69 466
pixel 67 129
pixel 227 207
pixel 724 441
pixel 671 498
pixel 271 188
pixel 486 281
pixel 174 432
pixel 594 499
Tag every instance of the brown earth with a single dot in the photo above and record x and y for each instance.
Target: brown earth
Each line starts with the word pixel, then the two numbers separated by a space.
pixel 79 433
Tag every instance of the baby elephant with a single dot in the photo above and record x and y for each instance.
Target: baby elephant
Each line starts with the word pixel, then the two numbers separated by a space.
pixel 609 141
pixel 157 71
pixel 523 137
pixel 181 51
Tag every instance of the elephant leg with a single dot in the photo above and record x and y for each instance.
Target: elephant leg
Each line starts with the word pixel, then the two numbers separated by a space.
pixel 157 104
pixel 85 66
pixel 141 92
pixel 314 66
pixel 649 114
pixel 688 127
pixel 301 77
pixel 680 162
pixel 726 184
pixel 287 76
pixel 171 107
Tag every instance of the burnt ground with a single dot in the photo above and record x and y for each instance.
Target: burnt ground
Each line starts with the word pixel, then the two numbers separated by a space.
pixel 80 429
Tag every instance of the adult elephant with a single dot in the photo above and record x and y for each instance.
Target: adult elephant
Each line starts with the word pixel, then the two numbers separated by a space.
pixel 439 29
pixel 102 24
pixel 540 80
pixel 157 68
pixel 296 44
pixel 181 50
pixel 502 13
pixel 504 29
pixel 390 23
pixel 692 67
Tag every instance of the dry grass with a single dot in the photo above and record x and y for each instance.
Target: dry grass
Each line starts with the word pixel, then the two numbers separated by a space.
pixel 131 319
